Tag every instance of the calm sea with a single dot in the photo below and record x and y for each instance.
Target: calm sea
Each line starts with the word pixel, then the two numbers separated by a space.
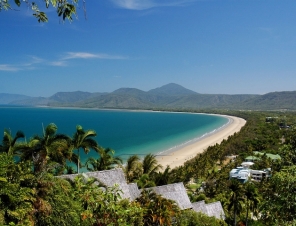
pixel 126 132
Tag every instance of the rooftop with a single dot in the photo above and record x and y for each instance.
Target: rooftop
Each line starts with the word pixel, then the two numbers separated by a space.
pixel 111 178
pixel 212 209
pixel 176 192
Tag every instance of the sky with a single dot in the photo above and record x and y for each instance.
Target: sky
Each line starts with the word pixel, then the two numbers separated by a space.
pixel 208 46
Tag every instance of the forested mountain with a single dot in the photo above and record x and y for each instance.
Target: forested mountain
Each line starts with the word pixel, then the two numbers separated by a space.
pixel 270 101
pixel 170 96
pixel 171 89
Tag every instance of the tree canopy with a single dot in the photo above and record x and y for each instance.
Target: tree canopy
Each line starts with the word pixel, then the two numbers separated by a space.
pixel 65 9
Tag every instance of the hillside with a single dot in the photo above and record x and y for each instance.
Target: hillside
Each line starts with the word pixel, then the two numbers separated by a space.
pixel 6 98
pixel 271 101
pixel 170 96
pixel 171 89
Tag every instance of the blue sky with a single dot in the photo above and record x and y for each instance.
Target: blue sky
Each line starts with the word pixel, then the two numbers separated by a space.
pixel 208 46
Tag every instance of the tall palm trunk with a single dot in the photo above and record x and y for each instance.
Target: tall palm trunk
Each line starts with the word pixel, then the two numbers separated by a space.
pixel 78 161
pixel 234 210
pixel 247 212
pixel 83 139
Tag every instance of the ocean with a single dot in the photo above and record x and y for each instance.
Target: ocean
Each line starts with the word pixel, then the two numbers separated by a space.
pixel 126 132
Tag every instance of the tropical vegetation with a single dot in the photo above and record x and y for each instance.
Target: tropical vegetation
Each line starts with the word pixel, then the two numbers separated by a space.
pixel 32 194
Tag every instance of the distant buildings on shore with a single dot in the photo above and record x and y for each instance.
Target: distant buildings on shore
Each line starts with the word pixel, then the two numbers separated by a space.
pixel 243 173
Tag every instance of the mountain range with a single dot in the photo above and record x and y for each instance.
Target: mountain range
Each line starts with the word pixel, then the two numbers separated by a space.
pixel 170 96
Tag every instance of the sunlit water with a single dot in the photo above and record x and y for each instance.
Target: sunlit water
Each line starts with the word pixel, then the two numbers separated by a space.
pixel 127 132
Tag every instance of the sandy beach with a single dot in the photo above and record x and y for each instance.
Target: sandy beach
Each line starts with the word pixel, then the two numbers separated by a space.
pixel 181 155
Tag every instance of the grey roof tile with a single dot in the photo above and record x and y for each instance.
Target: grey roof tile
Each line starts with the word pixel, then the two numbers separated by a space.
pixel 134 191
pixel 200 207
pixel 109 178
pixel 176 192
pixel 212 209
pixel 215 210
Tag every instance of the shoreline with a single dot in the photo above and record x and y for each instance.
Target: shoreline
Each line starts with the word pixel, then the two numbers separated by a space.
pixel 179 155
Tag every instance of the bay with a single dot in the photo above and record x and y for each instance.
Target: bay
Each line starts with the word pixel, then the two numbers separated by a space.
pixel 126 132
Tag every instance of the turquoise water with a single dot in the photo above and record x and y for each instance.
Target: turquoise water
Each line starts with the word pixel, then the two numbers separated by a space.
pixel 127 132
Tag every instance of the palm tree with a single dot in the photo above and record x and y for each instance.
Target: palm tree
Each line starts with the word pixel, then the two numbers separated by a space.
pixel 133 169
pixel 163 178
pixel 83 140
pixel 236 198
pixel 106 160
pixel 158 210
pixel 145 182
pixel 251 198
pixel 150 165
pixel 49 147
pixel 9 143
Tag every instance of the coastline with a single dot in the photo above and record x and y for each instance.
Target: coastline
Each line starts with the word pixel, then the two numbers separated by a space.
pixel 180 153
pixel 179 156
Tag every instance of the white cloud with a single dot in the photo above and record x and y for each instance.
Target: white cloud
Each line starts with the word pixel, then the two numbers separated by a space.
pixel 33 60
pixel 147 4
pixel 134 4
pixel 58 63
pixel 6 67
pixel 83 55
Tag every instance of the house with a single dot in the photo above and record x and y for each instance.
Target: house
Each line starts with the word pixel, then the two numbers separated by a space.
pixel 257 155
pixel 259 175
pixel 271 119
pixel 243 173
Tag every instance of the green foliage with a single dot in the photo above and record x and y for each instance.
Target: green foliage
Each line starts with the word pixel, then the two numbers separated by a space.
pixel 280 207
pixel 9 143
pixel 65 9
pixel 146 173
pixel 16 197
pixel 192 218
pixel 163 178
pixel 236 198
pixel 157 210
pixel 145 181
pixel 104 206
pixel 133 168
pixel 48 148
pixel 150 165
pixel 83 140
pixel 105 161
pixel 35 197
pixel 59 207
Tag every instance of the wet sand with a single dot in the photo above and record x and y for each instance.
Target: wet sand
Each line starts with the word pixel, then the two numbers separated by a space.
pixel 182 154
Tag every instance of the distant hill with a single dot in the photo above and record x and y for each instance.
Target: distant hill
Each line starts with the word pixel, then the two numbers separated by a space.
pixel 271 101
pixel 170 96
pixel 72 97
pixel 201 101
pixel 172 89
pixel 32 101
pixel 6 98
pixel 128 91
